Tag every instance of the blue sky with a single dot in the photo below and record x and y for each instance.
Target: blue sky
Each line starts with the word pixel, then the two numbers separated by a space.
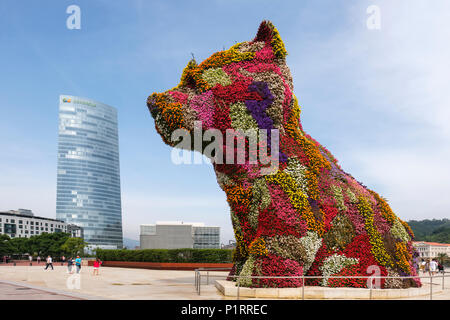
pixel 377 99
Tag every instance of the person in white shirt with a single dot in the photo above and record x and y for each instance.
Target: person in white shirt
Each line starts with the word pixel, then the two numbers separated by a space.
pixel 49 263
pixel 433 267
pixel 423 265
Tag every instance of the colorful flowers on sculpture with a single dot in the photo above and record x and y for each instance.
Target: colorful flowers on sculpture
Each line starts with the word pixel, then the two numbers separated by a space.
pixel 334 264
pixel 307 218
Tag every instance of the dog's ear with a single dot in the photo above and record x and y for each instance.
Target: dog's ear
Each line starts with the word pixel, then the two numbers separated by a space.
pixel 186 76
pixel 269 34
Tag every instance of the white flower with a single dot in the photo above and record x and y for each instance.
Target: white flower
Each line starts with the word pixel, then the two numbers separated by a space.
pixel 398 231
pixel 247 270
pixel 334 264
pixel 312 243
pixel 298 172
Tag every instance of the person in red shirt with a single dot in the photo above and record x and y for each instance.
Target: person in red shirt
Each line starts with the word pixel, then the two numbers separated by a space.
pixel 97 264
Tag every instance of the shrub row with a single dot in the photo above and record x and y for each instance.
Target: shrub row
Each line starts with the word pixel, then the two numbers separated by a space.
pixel 167 255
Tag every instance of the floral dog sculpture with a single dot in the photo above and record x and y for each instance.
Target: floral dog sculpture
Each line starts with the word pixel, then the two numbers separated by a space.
pixel 308 217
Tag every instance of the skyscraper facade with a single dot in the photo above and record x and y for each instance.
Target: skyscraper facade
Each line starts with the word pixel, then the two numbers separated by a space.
pixel 88 177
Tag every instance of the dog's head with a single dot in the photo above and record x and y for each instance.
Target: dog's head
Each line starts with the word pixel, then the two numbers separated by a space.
pixel 245 87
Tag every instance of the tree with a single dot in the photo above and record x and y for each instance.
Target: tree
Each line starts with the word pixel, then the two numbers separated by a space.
pixel 48 244
pixel 20 246
pixel 431 230
pixel 5 245
pixel 74 246
pixel 442 258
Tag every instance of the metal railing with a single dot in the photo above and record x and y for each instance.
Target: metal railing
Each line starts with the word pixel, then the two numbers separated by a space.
pixel 198 279
pixel 198 276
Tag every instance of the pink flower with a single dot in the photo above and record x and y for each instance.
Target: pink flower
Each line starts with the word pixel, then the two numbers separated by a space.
pixel 204 105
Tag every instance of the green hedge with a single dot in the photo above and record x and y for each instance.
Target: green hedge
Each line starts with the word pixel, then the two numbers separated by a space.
pixel 167 255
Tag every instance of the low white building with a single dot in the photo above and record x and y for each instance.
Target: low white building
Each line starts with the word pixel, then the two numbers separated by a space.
pixel 429 250
pixel 22 223
pixel 179 235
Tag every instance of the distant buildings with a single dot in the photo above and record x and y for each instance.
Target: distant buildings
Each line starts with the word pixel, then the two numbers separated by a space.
pixel 22 223
pixel 431 249
pixel 231 245
pixel 178 234
pixel 88 176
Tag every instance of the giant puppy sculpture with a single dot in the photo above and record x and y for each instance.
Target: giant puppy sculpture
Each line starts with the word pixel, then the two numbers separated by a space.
pixel 306 217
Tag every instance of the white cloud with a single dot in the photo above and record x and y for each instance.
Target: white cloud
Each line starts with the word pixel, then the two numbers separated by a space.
pixel 398 74
pixel 415 184
pixel 410 68
pixel 412 48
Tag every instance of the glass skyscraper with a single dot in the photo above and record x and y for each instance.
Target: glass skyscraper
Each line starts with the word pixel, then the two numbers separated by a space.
pixel 88 179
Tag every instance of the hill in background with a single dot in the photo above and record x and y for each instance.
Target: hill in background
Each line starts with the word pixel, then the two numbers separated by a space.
pixel 431 230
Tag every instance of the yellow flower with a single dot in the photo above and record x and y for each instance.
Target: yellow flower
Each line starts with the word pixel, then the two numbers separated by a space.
pixel 258 247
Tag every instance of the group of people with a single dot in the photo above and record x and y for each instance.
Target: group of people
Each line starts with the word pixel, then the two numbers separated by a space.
pixel 431 266
pixel 71 262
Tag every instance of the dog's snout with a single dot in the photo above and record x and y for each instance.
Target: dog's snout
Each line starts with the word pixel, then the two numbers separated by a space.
pixel 152 104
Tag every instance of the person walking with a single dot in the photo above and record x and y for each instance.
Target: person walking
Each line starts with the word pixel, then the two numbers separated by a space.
pixel 30 257
pixel 78 264
pixel 433 267
pixel 441 268
pixel 49 263
pixel 63 259
pixel 97 264
pixel 422 266
pixel 38 259
pixel 69 265
pixel 416 262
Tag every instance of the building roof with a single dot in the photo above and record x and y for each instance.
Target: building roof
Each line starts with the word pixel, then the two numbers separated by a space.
pixel 196 224
pixel 180 223
pixel 11 213
pixel 432 243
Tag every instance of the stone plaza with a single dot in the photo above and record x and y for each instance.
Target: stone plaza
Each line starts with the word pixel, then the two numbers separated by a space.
pixel 29 283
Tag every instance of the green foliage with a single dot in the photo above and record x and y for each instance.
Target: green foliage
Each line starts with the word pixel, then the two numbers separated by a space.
pixel 49 244
pixel 43 245
pixel 20 245
pixel 74 247
pixel 431 230
pixel 167 255
pixel 5 245
pixel 443 259
pixel 340 234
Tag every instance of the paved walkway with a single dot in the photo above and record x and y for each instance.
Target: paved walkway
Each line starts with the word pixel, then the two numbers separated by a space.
pixel 9 291
pixel 116 283
pixel 112 283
